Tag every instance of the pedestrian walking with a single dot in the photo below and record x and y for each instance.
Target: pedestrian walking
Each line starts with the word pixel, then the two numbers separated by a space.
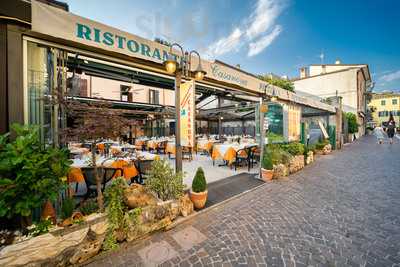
pixel 391 128
pixel 379 133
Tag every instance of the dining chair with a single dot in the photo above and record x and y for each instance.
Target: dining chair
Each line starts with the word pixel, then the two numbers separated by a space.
pixel 110 173
pixel 90 180
pixel 161 147
pixel 187 151
pixel 143 166
pixel 255 155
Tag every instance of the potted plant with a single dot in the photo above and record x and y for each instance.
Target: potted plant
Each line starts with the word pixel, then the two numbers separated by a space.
pixel 267 168
pixel 198 193
pixel 30 174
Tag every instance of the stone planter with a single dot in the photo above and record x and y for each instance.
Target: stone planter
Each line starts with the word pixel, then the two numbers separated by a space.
pixel 135 196
pixel 267 175
pixel 327 149
pixel 310 157
pixel 280 171
pixel 77 243
pixel 296 163
pixel 199 199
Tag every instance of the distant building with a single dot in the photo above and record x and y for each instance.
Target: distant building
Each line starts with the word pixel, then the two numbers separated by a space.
pixel 349 81
pixel 382 104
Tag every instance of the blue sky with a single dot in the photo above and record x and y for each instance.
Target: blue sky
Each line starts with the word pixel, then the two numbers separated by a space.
pixel 278 36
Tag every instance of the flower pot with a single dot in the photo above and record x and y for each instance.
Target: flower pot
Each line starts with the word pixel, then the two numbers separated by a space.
pixel 48 212
pixel 267 175
pixel 199 199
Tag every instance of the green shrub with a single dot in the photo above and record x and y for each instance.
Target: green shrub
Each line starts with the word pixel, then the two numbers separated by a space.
pixel 41 228
pixel 275 138
pixel 320 145
pixel 199 183
pixel 352 122
pixel 67 208
pixel 164 182
pixel 115 210
pixel 294 148
pixel 89 206
pixel 277 154
pixel 30 173
pixel 267 161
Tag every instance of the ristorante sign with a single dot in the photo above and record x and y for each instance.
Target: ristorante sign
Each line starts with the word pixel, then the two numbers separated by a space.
pixel 124 43
pixel 61 24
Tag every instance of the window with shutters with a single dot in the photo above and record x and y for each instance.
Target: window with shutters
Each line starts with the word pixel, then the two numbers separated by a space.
pixel 154 97
pixel 125 93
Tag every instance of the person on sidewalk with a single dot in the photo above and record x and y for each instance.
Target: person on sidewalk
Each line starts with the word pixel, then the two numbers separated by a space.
pixel 379 133
pixel 391 128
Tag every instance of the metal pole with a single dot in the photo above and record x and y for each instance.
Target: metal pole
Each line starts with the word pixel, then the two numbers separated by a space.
pixel 178 147
pixel 219 120
pixel 262 134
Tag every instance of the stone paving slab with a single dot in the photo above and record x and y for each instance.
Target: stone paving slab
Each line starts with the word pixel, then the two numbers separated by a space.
pixel 157 253
pixel 188 237
pixel 343 210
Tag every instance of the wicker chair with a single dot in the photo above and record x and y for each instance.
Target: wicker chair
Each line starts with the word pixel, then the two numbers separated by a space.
pixel 161 147
pixel 143 166
pixel 105 174
pixel 187 151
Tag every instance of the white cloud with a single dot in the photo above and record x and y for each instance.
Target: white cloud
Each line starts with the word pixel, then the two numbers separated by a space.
pixel 264 17
pixel 259 45
pixel 390 76
pixel 226 44
pixel 259 22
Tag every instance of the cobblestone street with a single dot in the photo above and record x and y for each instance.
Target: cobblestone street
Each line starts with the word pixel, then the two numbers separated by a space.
pixel 343 210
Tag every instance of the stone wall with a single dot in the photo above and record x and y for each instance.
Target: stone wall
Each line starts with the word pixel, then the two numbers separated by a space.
pixel 78 243
pixel 296 164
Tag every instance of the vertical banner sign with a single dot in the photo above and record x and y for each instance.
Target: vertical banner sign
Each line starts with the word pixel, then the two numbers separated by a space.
pixel 257 117
pixel 188 111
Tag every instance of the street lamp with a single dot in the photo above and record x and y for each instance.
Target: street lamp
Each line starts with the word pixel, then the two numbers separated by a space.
pixel 181 69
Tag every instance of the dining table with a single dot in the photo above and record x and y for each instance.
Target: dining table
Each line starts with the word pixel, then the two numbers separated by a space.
pixel 228 151
pixel 130 171
pixel 205 144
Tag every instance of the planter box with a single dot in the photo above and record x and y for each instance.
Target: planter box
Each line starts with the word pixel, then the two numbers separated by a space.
pixel 280 171
pixel 75 244
pixel 310 157
pixel 296 163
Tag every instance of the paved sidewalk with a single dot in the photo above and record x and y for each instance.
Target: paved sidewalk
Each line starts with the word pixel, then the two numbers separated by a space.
pixel 344 210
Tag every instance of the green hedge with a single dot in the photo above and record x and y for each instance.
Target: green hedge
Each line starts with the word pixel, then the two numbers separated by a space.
pixel 294 148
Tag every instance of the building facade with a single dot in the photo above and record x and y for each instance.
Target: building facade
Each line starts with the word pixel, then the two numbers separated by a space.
pixel 351 82
pixel 384 104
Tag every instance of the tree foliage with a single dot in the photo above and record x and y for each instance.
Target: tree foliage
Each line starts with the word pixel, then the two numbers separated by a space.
pixel 282 83
pixel 352 122
pixel 91 121
pixel 30 173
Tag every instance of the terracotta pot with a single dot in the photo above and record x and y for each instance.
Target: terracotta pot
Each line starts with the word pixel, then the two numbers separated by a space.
pixel 199 199
pixel 48 211
pixel 267 175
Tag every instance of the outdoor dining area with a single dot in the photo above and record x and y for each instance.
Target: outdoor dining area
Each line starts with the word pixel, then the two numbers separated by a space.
pixel 112 160
pixel 133 161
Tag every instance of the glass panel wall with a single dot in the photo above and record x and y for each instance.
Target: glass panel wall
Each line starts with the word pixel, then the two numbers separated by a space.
pixel 274 116
pixel 39 81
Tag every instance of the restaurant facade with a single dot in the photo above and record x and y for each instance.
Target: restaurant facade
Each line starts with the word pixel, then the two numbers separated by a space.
pixel 43 48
